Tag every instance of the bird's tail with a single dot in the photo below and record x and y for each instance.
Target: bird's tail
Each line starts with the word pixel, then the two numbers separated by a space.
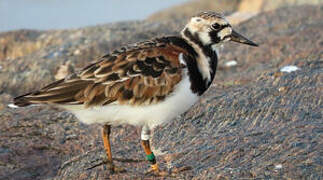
pixel 22 100
pixel 58 92
pixel 29 98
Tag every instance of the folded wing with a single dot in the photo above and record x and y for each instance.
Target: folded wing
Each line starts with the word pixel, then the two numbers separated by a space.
pixel 142 74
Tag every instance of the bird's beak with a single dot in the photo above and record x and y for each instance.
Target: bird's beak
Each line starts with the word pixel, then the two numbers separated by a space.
pixel 236 37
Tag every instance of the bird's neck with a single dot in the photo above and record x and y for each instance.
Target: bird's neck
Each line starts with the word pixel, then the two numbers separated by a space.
pixel 206 56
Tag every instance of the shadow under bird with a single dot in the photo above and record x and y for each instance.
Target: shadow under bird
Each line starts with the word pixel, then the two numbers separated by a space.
pixel 144 84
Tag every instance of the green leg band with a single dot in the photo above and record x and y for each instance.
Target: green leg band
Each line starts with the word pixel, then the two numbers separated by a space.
pixel 151 158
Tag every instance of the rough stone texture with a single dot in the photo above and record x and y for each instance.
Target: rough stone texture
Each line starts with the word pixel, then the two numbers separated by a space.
pixel 254 122
pixel 248 8
pixel 186 10
pixel 190 8
pixel 271 5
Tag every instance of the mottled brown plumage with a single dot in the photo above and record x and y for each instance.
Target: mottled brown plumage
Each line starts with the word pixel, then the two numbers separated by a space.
pixel 139 74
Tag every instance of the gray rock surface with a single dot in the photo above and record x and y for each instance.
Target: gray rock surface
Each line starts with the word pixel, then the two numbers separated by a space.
pixel 254 122
pixel 185 10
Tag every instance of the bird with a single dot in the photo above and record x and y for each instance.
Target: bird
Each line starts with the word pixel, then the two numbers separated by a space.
pixel 144 84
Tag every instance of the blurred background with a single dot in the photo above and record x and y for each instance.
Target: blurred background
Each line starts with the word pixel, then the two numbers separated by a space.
pixel 256 121
pixel 58 14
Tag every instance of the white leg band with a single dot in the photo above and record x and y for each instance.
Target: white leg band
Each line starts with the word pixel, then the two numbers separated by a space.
pixel 145 133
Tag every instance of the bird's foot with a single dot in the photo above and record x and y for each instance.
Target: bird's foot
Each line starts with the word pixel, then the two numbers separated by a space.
pixel 157 172
pixel 115 169
pixel 154 170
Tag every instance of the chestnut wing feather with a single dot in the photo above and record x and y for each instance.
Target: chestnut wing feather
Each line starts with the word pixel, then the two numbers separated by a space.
pixel 137 75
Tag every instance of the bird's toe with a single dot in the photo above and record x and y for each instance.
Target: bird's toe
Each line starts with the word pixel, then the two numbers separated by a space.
pixel 157 172
pixel 115 169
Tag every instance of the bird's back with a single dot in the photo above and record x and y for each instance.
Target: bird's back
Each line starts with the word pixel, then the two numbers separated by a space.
pixel 140 74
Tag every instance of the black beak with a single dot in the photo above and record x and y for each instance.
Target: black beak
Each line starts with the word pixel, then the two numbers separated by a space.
pixel 236 37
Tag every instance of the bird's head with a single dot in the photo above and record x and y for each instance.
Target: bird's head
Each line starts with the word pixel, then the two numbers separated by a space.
pixel 210 28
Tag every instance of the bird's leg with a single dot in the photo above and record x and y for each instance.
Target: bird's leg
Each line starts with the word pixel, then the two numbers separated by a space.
pixel 106 141
pixel 145 136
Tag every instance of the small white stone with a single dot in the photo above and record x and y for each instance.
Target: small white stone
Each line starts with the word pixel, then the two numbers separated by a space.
pixel 56 54
pixel 12 106
pixel 231 63
pixel 289 69
pixel 169 165
pixel 278 166
pixel 77 52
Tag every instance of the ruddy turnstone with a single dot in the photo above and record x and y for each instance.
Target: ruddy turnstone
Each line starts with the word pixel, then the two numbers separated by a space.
pixel 145 84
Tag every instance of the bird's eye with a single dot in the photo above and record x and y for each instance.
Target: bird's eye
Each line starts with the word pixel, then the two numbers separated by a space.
pixel 198 19
pixel 216 26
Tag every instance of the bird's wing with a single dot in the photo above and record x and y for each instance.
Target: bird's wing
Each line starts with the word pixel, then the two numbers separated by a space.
pixel 142 74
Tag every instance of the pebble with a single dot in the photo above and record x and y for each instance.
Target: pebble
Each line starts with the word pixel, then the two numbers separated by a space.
pixel 56 54
pixel 77 52
pixel 281 89
pixel 231 63
pixel 278 166
pixel 289 69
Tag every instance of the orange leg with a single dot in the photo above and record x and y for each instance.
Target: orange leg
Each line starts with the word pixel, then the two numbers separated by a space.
pixel 106 141
pixel 149 154
pixel 145 135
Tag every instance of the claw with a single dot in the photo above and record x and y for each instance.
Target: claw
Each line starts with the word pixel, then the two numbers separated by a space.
pixel 115 169
pixel 156 171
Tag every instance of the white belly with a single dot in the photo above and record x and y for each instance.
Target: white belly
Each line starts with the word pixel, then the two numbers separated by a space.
pixel 152 115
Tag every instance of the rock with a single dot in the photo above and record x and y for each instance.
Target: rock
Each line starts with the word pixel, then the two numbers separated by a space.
pixel 271 5
pixel 254 121
pixel 254 6
pixel 190 8
pixel 289 69
pixel 20 43
pixel 4 100
pixel 34 144
pixel 64 70
pixel 239 17
pixel 15 45
pixel 237 10
pixel 249 8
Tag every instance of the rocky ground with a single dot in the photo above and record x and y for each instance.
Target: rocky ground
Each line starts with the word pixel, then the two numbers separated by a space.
pixel 254 122
pixel 186 10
